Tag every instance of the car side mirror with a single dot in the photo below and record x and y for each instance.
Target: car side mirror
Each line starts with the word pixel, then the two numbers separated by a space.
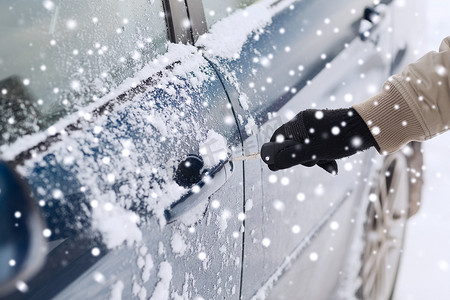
pixel 22 245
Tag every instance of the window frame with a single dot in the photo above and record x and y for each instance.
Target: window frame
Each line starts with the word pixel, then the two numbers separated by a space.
pixel 176 12
pixel 185 20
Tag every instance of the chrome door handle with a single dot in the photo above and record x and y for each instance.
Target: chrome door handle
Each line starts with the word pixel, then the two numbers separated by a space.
pixel 369 22
pixel 211 181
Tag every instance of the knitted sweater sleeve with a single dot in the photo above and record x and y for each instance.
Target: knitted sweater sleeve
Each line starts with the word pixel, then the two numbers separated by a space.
pixel 413 105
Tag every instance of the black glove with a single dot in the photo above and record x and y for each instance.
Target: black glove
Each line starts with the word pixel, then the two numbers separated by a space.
pixel 317 137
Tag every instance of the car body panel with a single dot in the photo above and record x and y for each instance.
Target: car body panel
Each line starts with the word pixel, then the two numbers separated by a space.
pixel 115 171
pixel 287 206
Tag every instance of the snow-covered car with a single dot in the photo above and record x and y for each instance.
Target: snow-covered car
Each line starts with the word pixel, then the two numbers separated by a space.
pixel 123 126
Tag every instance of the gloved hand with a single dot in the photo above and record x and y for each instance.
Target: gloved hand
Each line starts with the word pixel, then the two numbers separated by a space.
pixel 317 137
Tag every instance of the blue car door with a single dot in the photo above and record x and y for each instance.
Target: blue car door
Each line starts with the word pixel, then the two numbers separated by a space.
pixel 295 55
pixel 126 152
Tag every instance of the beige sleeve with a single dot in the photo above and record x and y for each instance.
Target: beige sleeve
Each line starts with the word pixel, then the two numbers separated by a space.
pixel 413 105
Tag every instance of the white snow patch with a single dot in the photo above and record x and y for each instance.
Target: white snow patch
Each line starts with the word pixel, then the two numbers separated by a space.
pixel 143 293
pixel 140 262
pixel 116 291
pixel 243 100
pixel 139 291
pixel 227 37
pixel 178 245
pixel 194 214
pixel 241 120
pixel 147 268
pixel 250 126
pixel 143 250
pixel 213 149
pixel 222 220
pixel 248 205
pixel 158 122
pixel 166 195
pixel 185 293
pixel 116 224
pixel 135 288
pixel 162 289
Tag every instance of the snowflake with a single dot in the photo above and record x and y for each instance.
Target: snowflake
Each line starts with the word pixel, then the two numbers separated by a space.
pixel 95 251
pixel 46 233
pixel 335 130
pixel 301 197
pixel 99 277
pixel 71 24
pixel 48 5
pixel 313 256
pixel 334 225
pixel 273 178
pixel 376 130
pixel 348 166
pixel 319 114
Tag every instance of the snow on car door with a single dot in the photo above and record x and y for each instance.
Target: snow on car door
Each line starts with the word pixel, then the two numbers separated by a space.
pixel 269 72
pixel 118 172
pixel 127 213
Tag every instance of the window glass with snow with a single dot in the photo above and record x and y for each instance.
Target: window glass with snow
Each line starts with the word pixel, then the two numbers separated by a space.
pixel 58 56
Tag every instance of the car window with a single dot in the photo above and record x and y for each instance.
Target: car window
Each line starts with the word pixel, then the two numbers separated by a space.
pixel 216 10
pixel 57 56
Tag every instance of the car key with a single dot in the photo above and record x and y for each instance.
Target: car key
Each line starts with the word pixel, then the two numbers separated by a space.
pixel 245 157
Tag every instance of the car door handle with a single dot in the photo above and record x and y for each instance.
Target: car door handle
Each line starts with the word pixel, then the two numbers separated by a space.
pixel 370 20
pixel 211 181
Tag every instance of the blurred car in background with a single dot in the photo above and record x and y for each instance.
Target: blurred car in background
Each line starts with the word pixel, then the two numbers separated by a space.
pixel 118 131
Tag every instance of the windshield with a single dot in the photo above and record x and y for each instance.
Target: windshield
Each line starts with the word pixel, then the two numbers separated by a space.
pixel 57 56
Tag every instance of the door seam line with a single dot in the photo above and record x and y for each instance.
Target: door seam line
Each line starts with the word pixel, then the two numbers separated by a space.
pixel 243 173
